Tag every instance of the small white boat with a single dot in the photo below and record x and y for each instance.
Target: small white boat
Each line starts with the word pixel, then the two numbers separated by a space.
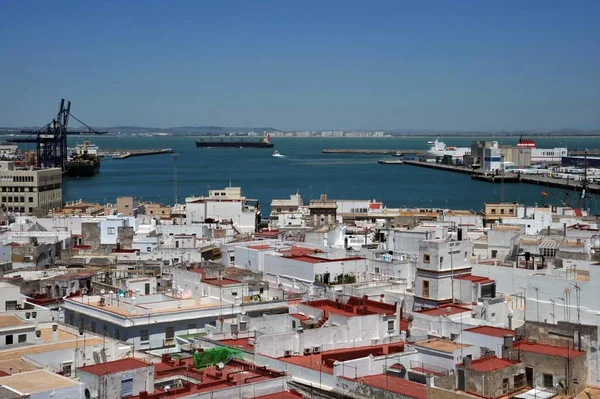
pixel 278 155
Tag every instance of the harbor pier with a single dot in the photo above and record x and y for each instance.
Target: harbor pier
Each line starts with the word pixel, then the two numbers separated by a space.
pixel 508 177
pixel 366 151
pixel 124 154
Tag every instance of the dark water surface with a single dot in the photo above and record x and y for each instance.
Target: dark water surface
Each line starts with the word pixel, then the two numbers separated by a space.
pixel 305 168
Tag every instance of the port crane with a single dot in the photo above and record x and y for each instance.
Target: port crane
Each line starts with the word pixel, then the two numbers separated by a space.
pixel 51 140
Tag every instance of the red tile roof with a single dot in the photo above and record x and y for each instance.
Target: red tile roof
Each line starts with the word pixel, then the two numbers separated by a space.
pixel 489 364
pixel 401 386
pixel 220 282
pixel 475 279
pixel 550 350
pixel 115 366
pixel 443 310
pixel 491 331
pixel 299 316
pixel 281 395
pixel 260 247
pixel 324 361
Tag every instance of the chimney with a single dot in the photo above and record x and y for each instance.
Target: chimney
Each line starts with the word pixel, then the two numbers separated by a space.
pixel 54 333
pixel 510 316
pixel 398 316
pixel 508 342
pixel 467 361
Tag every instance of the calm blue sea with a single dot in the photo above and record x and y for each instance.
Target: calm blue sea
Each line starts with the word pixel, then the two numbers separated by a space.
pixel 305 168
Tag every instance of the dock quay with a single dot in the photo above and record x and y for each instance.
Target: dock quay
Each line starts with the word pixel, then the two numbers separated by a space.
pixel 509 177
pixel 371 151
pixel 391 161
pixel 124 154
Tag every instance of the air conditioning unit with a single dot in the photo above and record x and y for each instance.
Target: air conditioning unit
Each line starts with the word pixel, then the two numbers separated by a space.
pixel 307 351
pixel 288 353
pixel 317 350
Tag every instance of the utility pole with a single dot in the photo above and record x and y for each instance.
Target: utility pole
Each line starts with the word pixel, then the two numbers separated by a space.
pixel 175 179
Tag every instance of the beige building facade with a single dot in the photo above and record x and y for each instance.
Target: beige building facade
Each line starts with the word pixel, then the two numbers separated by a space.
pixel 27 189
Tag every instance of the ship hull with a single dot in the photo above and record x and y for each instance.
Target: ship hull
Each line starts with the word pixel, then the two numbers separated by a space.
pixel 82 170
pixel 233 144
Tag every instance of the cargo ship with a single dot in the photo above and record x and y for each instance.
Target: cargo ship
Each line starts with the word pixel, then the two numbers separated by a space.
pixel 85 161
pixel 236 143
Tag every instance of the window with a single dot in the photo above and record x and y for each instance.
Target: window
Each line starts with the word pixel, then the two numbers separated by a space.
pixel 493 211
pixel 110 231
pixel 9 339
pixel 390 325
pixel 93 328
pixel 547 380
pixel 511 211
pixel 30 199
pixel 519 381
pixel 117 334
pixel 126 386
pixel 441 260
pixel 10 305
pixel 426 258
pixel 144 336
pixel 22 338
pixel 192 326
pixel 494 253
pixel 488 291
pixel 425 289
pixel 377 270
pixel 293 323
pixel 234 293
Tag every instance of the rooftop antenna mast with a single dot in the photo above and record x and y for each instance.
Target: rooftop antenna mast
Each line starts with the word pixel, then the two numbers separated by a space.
pixel 585 180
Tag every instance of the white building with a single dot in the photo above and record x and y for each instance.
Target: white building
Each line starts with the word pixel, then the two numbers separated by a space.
pixel 117 379
pixel 439 263
pixel 153 321
pixel 227 206
pixel 492 158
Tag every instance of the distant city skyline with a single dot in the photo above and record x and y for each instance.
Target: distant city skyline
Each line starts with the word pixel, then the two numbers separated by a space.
pixel 339 65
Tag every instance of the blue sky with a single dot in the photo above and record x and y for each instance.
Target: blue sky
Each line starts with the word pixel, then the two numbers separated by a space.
pixel 444 65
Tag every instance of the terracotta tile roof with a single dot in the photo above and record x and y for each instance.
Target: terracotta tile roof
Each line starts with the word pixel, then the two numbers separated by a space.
pixel 10 321
pixel 397 385
pixel 442 345
pixel 491 331
pixel 550 350
pixel 114 366
pixel 221 282
pixel 299 316
pixel 443 310
pixel 475 279
pixel 489 364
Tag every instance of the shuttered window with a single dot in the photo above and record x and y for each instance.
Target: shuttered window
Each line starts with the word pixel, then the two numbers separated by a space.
pixel 126 386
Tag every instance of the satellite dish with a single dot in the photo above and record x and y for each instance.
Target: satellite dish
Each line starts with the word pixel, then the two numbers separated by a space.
pixel 220 366
pixel 103 355
pixel 102 291
pixel 111 292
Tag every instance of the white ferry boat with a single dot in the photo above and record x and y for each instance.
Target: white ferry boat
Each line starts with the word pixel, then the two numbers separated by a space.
pixel 438 149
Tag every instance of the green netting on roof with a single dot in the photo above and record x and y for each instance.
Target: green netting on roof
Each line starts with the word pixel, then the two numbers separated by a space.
pixel 216 355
